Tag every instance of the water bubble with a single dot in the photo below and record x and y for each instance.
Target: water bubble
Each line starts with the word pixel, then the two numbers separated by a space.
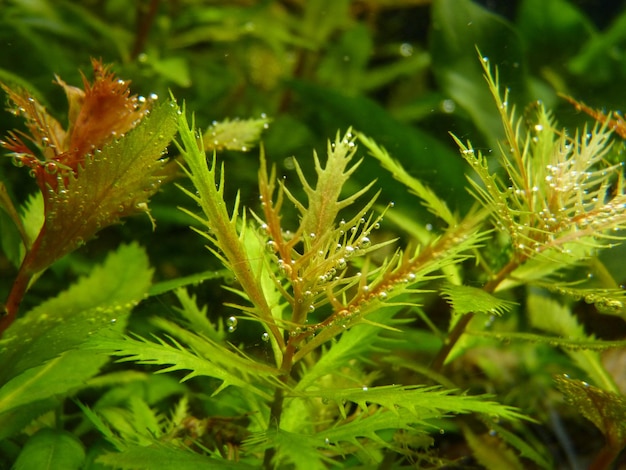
pixel 406 49
pixel 231 323
pixel 365 243
pixel 448 106
pixel 265 337
pixel 18 161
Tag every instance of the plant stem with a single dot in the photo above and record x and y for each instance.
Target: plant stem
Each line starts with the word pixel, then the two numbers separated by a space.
pixel 605 458
pixel 276 409
pixel 20 285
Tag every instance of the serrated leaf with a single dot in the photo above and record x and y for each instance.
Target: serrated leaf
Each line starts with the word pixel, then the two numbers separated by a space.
pixel 420 401
pixel 99 301
pixel 238 134
pixel 175 357
pixel 115 182
pixel 166 458
pixel 467 299
pixel 605 409
pixel 50 449
pixel 222 227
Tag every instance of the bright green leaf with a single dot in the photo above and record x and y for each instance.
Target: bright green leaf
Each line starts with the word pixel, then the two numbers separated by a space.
pixel 101 300
pixel 467 299
pixel 50 449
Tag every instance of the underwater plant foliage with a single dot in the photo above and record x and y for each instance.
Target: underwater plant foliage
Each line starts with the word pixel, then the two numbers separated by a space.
pixel 292 235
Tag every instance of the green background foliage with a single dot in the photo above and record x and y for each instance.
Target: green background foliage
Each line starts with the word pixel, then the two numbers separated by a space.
pixel 405 74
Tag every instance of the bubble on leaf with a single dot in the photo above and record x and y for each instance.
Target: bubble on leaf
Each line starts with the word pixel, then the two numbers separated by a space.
pixel 365 243
pixel 265 337
pixel 231 324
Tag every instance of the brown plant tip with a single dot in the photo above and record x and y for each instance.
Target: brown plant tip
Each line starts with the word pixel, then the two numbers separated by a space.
pixel 614 121
pixel 103 111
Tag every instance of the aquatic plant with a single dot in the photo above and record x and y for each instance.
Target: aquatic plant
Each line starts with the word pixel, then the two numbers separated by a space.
pixel 342 307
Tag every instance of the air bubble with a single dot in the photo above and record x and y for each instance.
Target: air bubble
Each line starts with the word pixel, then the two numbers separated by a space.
pixel 265 337
pixel 51 168
pixel 406 49
pixel 365 243
pixel 231 324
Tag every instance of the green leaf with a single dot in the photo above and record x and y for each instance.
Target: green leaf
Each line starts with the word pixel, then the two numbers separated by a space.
pixel 467 299
pixel 166 458
pixel 101 300
pixel 239 134
pixel 595 61
pixel 605 409
pixel 50 449
pixel 57 377
pixel 554 31
pixel 459 27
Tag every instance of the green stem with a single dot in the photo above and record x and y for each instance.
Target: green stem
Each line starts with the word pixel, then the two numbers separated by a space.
pixel 276 409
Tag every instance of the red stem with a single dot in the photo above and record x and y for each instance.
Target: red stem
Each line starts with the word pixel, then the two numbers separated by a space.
pixel 20 285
